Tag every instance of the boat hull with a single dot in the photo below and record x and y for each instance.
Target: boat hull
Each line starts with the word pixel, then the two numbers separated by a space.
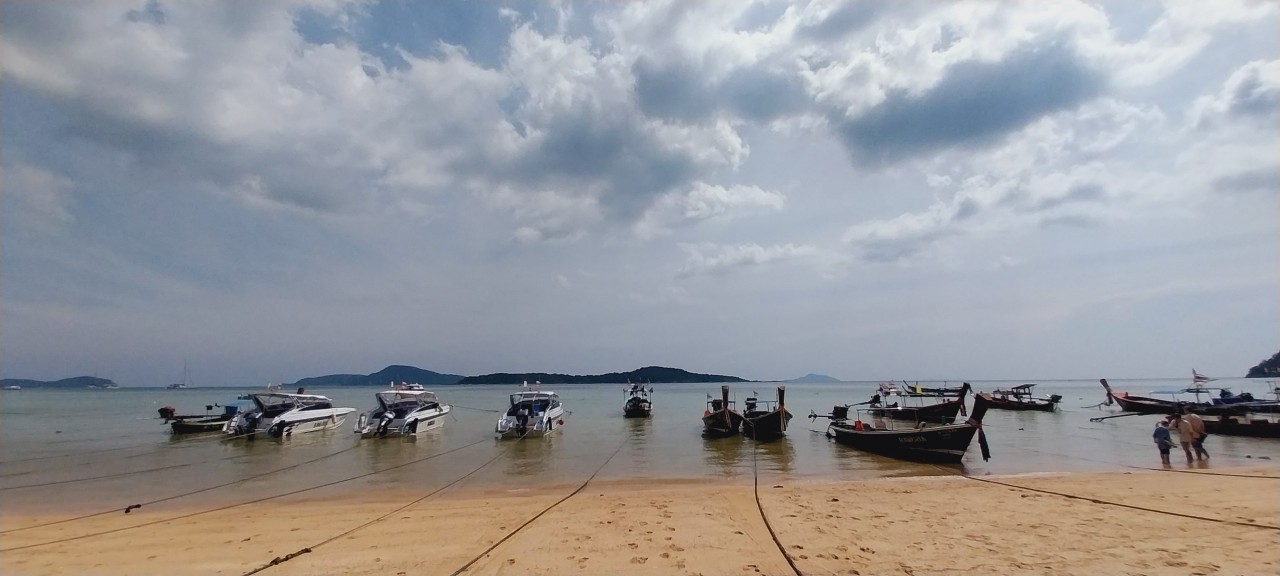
pixel 199 425
pixel 1023 405
pixel 940 413
pixel 370 424
pixel 547 422
pixel 1243 426
pixel 721 423
pixel 766 426
pixel 637 409
pixel 288 425
pixel 946 444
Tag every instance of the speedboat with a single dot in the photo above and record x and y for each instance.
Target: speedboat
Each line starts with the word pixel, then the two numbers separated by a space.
pixel 281 415
pixel 532 413
pixel 402 413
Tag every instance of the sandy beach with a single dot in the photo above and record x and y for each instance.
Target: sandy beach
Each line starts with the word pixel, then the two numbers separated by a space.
pixel 1174 523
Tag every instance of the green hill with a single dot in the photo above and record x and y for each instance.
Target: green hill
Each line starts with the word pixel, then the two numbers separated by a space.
pixel 69 383
pixel 384 377
pixel 1269 368
pixel 648 374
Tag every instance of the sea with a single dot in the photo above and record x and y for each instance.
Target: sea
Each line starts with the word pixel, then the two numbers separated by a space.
pixel 72 451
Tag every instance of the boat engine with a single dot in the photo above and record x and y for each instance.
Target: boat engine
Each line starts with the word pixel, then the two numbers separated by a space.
pixel 384 423
pixel 248 423
pixel 522 420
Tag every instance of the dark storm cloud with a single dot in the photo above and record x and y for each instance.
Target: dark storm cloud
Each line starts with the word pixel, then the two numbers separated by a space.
pixel 845 20
pixel 976 103
pixel 1261 180
pixel 613 153
pixel 762 95
pixel 679 91
pixel 674 91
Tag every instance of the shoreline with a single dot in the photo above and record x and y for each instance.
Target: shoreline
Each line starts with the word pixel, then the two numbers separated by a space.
pixel 911 526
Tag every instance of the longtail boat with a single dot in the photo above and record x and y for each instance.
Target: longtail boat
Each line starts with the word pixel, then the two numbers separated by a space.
pixel 944 443
pixel 760 421
pixel 720 419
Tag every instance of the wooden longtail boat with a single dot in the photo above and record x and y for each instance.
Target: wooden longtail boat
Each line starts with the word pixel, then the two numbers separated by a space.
pixel 720 419
pixel 945 443
pixel 943 412
pixel 1019 398
pixel 766 423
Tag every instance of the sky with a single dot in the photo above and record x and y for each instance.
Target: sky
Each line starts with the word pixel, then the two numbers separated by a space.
pixel 267 191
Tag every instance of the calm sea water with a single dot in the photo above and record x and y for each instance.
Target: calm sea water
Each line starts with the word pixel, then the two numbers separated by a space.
pixel 101 449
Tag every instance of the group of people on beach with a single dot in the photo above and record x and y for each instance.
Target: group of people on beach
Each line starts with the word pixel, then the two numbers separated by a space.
pixel 1190 430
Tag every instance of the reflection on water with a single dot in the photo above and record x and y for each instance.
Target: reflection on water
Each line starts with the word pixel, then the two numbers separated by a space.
pixel 527 458
pixel 724 455
pixel 777 456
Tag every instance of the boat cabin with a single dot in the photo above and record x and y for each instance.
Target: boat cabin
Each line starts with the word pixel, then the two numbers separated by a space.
pixel 533 402
pixel 272 405
pixel 403 402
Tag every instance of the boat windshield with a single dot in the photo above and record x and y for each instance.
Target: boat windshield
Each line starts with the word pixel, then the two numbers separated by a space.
pixel 400 398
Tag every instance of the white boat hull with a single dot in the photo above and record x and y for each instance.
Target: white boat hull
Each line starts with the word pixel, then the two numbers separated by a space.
pixel 538 425
pixel 288 424
pixel 371 425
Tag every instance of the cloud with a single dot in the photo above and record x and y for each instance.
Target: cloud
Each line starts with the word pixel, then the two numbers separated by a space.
pixel 1251 94
pixel 706 202
pixel 36 201
pixel 710 258
pixel 974 103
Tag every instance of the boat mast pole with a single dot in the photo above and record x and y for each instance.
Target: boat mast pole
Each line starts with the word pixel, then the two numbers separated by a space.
pixel 782 406
pixel 724 400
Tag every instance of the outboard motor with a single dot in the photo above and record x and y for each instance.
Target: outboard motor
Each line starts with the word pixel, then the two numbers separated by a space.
pixel 717 405
pixel 384 423
pixel 1054 398
pixel 167 412
pixel 522 420
pixel 839 412
pixel 751 404
pixel 248 424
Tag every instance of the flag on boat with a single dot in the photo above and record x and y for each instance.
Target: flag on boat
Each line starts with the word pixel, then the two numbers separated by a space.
pixel 1199 378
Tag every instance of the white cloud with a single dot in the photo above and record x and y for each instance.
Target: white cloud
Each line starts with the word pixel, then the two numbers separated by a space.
pixel 37 201
pixel 709 258
pixel 706 202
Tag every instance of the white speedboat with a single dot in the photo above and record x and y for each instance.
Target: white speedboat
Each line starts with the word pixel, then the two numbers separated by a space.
pixel 532 413
pixel 282 415
pixel 402 413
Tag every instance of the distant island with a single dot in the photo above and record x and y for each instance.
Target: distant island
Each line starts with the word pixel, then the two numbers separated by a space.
pixel 78 382
pixel 646 375
pixel 812 379
pixel 1269 368
pixel 385 377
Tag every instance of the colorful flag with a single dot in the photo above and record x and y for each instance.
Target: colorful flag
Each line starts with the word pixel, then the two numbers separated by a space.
pixel 1199 378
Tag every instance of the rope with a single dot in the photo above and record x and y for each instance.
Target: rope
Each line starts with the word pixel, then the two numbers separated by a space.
pixel 221 508
pixel 476 409
pixel 309 549
pixel 1110 503
pixel 755 486
pixel 116 475
pixel 539 515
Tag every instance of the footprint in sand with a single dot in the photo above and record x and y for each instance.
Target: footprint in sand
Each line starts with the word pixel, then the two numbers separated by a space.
pixel 639 559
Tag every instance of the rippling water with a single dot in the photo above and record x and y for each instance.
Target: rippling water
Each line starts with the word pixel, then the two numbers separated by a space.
pixel 53 442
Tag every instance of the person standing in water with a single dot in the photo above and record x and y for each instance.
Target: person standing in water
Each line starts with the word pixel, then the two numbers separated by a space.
pixel 1163 441
pixel 1197 426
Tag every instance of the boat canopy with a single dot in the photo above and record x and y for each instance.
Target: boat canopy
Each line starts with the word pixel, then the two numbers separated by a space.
pixel 276 399
pixel 396 397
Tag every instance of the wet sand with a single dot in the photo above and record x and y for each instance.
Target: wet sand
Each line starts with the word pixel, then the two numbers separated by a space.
pixel 910 526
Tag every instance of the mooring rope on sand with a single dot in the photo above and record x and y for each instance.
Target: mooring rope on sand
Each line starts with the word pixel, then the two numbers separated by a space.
pixel 540 514
pixel 755 486
pixel 226 507
pixel 1112 503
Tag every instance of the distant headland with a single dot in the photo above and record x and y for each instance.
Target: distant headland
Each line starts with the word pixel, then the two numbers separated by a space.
pixel 1269 368
pixel 397 373
pixel 813 379
pixel 79 382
